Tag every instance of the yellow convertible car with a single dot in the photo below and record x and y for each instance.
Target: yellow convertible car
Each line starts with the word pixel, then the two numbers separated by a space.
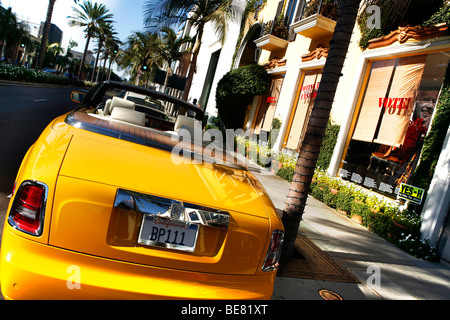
pixel 102 208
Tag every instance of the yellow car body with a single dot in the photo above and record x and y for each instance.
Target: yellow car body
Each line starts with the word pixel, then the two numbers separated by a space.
pixel 93 197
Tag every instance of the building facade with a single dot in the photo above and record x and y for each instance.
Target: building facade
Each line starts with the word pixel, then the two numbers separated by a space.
pixel 384 104
pixel 90 58
pixel 55 34
pixel 214 60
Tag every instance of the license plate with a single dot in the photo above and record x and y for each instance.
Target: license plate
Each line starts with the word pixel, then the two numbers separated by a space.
pixel 168 233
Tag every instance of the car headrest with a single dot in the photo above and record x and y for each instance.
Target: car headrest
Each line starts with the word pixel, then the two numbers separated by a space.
pixel 128 115
pixel 117 102
pixel 183 121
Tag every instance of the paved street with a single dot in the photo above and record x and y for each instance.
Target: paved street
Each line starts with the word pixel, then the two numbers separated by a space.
pixel 24 112
pixel 3 206
pixel 4 200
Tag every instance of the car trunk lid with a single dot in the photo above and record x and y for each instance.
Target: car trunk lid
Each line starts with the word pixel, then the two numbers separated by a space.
pixel 88 216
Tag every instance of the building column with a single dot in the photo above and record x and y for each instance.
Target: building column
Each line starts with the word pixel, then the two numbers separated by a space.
pixel 436 206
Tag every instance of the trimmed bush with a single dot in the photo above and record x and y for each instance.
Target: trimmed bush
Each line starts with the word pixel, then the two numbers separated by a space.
pixel 329 142
pixel 286 173
pixel 344 202
pixel 236 90
pixel 19 73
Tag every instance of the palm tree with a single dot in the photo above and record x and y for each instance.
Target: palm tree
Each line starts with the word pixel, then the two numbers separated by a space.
pixel 18 35
pixel 91 17
pixel 143 48
pixel 198 13
pixel 171 50
pixel 29 46
pixel 48 21
pixel 111 52
pixel 53 52
pixel 105 31
pixel 111 43
pixel 64 61
pixel 8 23
pixel 312 142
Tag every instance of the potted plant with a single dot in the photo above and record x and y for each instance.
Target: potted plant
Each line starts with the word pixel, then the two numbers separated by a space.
pixel 276 164
pixel 405 222
pixel 344 200
pixel 334 184
pixel 264 156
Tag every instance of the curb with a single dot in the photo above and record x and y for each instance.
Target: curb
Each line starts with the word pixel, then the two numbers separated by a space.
pixel 38 84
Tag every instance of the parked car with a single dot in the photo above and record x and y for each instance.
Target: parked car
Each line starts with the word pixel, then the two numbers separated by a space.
pixel 70 76
pixel 49 70
pixel 101 209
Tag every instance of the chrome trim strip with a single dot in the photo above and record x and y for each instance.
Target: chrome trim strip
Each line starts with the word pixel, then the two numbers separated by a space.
pixel 172 209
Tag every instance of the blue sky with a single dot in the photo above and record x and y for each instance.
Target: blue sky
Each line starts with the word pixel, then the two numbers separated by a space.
pixel 128 15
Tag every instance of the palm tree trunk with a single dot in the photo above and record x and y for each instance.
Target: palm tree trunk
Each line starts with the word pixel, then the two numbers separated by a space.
pixel 96 60
pixel 193 65
pixel 84 55
pixel 48 21
pixel 109 71
pixel 312 142
pixel 166 80
pixel 16 50
pixel 104 68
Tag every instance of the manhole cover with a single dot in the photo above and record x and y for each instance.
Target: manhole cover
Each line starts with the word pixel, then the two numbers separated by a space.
pixel 329 295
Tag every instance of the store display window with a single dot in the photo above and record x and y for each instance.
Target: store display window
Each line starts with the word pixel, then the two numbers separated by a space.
pixel 267 106
pixel 304 101
pixel 394 115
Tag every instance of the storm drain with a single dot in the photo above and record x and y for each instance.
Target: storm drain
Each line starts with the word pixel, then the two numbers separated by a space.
pixel 329 295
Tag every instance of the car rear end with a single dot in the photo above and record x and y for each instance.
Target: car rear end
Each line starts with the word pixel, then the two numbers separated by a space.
pixel 95 217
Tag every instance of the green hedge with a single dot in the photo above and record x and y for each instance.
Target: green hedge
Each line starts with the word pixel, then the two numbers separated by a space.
pixel 326 152
pixel 329 142
pixel 379 215
pixel 236 90
pixel 19 73
pixel 434 141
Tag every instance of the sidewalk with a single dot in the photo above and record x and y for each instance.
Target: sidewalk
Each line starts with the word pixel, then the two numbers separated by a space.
pixel 362 253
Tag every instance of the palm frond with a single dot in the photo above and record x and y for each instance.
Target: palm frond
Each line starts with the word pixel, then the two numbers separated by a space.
pixel 165 13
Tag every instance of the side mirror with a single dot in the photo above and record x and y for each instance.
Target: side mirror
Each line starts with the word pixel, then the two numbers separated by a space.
pixel 77 96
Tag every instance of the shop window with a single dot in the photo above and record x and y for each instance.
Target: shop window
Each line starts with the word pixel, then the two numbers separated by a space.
pixel 304 101
pixel 395 114
pixel 267 107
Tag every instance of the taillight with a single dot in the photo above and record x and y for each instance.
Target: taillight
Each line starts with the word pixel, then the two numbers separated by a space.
pixel 27 211
pixel 274 252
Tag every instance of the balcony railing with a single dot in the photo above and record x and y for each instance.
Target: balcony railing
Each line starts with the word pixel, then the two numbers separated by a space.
pixel 280 27
pixel 275 28
pixel 285 27
pixel 317 19
pixel 327 8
